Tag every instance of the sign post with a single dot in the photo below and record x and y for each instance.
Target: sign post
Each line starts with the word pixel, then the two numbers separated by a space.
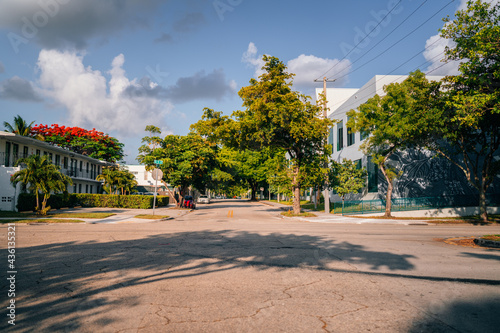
pixel 157 174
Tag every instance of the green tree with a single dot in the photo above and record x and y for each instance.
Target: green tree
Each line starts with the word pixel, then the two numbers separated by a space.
pixel 401 119
pixel 280 118
pixel 19 127
pixel 346 178
pixel 187 160
pixel 117 180
pixel 40 175
pixel 470 119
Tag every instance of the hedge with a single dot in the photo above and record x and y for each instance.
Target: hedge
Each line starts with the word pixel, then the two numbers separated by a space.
pixel 27 202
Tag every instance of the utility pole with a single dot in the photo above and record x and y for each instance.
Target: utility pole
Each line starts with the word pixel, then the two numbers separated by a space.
pixel 326 192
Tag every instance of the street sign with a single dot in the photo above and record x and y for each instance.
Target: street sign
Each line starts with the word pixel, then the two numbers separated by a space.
pixel 158 162
pixel 157 174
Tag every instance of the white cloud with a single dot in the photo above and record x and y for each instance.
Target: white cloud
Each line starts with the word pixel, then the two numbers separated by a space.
pixel 435 47
pixel 434 54
pixel 251 58
pixel 306 68
pixel 91 101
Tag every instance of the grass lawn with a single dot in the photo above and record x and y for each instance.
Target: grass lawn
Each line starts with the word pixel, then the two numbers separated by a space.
pixel 41 220
pixel 81 215
pixel 152 217
pixel 492 237
pixel 303 214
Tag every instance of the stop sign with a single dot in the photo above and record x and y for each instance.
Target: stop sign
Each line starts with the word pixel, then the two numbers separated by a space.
pixel 157 174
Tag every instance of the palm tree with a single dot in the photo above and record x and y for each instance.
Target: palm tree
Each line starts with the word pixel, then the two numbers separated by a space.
pixel 108 176
pixel 40 175
pixel 20 126
pixel 116 179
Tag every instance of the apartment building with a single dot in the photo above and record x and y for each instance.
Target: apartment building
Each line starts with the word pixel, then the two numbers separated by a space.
pixel 82 169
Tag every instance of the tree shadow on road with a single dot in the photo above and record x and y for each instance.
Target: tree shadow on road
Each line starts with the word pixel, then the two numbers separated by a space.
pixel 61 285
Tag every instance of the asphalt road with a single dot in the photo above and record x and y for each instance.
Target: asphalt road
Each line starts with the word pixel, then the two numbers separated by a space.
pixel 238 267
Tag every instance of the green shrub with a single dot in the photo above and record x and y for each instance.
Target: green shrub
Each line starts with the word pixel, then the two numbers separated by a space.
pixel 27 202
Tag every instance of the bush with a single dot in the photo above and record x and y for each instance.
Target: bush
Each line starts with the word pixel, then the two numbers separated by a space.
pixel 27 202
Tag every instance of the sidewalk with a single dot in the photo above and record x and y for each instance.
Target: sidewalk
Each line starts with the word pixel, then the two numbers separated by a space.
pixel 322 217
pixel 122 215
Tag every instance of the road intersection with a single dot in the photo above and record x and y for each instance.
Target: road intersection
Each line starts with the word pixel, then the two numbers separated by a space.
pixel 211 271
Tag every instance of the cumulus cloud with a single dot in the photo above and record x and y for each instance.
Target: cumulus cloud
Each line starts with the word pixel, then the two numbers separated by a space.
pixel 91 101
pixel 305 67
pixel 434 54
pixel 57 23
pixel 252 59
pixel 18 89
pixel 435 47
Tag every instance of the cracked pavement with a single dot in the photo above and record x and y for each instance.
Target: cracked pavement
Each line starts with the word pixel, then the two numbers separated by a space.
pixel 250 271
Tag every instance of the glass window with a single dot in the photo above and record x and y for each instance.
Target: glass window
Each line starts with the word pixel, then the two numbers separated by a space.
pixel 350 136
pixel 340 135
pixel 372 169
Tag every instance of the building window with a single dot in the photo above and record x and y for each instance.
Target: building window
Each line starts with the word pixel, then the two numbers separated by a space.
pixel 363 135
pixel 358 164
pixel 7 154
pixel 87 167
pixel 91 188
pixel 330 138
pixel 79 188
pixel 74 188
pixel 50 157
pixel 58 160
pixel 81 166
pixel 372 169
pixel 38 152
pixel 25 151
pixel 350 136
pixel 87 188
pixel 340 135
pixel 65 162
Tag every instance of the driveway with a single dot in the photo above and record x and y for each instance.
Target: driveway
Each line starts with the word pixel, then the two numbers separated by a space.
pixel 235 266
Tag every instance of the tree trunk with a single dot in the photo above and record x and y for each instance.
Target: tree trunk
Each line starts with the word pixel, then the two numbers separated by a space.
pixel 37 200
pixel 253 188
pixel 483 210
pixel 296 190
pixel 388 197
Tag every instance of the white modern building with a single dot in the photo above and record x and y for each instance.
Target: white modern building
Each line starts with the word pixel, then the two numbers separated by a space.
pixel 145 181
pixel 82 169
pixel 422 176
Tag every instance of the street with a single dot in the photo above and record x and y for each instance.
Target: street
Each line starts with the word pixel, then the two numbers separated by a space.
pixel 237 266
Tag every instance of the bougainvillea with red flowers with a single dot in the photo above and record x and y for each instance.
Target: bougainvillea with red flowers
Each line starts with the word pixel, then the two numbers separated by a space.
pixel 92 143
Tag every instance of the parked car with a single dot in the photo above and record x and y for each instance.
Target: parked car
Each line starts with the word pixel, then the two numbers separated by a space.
pixel 188 202
pixel 203 199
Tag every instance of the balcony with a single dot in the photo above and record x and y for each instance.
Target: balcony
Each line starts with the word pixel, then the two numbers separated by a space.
pixel 9 160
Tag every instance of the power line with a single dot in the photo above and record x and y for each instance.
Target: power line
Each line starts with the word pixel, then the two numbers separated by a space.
pixel 366 36
pixel 404 63
pixel 394 44
pixel 390 33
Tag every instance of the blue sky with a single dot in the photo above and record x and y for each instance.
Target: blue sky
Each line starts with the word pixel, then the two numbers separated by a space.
pixel 118 66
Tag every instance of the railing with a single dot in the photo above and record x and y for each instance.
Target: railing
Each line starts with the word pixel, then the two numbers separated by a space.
pixel 9 160
pixel 404 204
